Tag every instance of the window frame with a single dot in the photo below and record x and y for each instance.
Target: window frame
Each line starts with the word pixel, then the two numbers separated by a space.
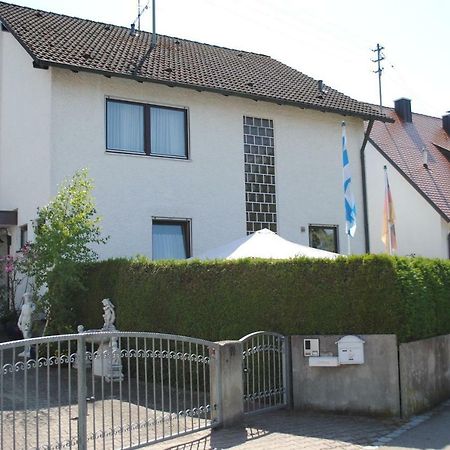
pixel 335 228
pixel 187 227
pixel 147 130
pixel 23 230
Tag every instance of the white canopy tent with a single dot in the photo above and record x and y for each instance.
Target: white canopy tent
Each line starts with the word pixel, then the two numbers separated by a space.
pixel 264 244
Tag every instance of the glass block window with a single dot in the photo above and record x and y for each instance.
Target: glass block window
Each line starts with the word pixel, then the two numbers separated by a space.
pixel 259 167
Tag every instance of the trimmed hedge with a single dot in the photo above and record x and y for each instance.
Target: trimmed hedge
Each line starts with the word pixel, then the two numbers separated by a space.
pixel 409 297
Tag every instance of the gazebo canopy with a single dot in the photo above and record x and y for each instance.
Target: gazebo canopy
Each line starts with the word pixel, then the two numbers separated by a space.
pixel 264 244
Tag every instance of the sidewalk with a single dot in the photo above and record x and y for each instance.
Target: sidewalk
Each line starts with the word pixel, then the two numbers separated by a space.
pixel 300 430
pixel 429 431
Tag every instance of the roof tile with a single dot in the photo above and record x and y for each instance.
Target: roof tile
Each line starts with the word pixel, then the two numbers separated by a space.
pixel 54 39
pixel 403 144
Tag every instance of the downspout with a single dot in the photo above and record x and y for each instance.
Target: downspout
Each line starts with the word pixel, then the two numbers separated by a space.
pixel 364 186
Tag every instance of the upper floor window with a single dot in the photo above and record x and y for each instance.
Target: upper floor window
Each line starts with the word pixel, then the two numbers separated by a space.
pixel 324 237
pixel 146 129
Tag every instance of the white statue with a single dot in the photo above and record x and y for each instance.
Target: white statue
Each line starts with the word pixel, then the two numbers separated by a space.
pixel 109 315
pixel 26 320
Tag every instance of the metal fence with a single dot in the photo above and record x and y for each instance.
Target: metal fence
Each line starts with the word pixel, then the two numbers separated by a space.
pixel 104 390
pixel 265 371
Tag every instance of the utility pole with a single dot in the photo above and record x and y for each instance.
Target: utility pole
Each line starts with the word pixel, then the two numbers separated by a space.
pixel 379 71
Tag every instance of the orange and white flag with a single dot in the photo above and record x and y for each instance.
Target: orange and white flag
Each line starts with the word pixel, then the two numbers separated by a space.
pixel 388 237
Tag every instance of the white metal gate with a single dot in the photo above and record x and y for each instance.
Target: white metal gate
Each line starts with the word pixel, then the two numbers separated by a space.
pixel 104 390
pixel 265 371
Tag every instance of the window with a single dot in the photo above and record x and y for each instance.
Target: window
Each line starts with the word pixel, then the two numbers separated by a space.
pixel 23 235
pixel 324 237
pixel 171 239
pixel 137 128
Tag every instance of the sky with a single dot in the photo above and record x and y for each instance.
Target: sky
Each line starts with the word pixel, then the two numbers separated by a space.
pixel 329 40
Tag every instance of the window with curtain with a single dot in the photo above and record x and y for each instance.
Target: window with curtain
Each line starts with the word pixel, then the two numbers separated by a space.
pixel 170 239
pixel 324 237
pixel 125 127
pixel 146 129
pixel 167 131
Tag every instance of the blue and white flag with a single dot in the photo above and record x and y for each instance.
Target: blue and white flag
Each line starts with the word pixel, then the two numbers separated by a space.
pixel 349 200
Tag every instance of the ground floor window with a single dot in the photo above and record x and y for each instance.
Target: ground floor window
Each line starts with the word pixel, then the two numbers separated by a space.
pixel 171 239
pixel 324 237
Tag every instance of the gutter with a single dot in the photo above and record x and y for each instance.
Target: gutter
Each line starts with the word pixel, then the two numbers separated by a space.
pixel 364 185
pixel 134 75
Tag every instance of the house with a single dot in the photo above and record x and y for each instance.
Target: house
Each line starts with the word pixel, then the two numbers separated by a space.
pixel 190 145
pixel 416 151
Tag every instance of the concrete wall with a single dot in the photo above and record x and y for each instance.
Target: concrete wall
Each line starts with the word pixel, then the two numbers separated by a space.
pixel 420 229
pixel 424 373
pixel 371 388
pixel 227 387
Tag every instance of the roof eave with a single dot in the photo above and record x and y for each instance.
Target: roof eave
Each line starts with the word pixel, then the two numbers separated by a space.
pixel 411 182
pixel 225 92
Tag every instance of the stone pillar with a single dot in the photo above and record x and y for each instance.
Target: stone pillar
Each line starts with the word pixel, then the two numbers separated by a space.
pixel 227 386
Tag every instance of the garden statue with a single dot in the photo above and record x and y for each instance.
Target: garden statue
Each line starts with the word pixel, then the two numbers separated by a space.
pixel 109 315
pixel 26 320
pixel 107 360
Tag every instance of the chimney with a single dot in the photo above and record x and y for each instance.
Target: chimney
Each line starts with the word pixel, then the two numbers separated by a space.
pixel 446 122
pixel 403 109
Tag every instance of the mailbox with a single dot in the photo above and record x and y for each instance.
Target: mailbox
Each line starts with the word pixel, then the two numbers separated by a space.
pixel 350 350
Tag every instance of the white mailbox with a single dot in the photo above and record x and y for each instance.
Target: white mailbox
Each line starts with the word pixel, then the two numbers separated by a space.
pixel 350 350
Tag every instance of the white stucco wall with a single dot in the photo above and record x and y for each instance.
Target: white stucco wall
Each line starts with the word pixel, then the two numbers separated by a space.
pixel 420 229
pixel 25 129
pixel 208 188
pixel 55 125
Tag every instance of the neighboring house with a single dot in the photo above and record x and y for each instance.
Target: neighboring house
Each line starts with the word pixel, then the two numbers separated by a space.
pixel 190 145
pixel 416 150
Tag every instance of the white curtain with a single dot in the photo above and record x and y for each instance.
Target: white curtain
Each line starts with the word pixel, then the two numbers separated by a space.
pixel 167 132
pixel 125 127
pixel 168 241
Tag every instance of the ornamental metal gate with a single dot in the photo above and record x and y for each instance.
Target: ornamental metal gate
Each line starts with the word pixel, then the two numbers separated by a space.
pixel 104 390
pixel 265 371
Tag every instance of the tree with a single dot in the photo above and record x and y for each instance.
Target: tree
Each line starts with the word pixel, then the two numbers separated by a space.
pixel 65 231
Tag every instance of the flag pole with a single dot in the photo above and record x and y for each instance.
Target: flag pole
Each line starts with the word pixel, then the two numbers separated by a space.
pixel 349 201
pixel 388 218
pixel 389 236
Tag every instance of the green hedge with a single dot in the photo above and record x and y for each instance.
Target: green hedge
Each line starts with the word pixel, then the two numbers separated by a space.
pixel 409 297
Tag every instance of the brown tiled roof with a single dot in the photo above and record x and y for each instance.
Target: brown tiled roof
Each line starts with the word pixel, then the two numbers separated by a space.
pixel 402 143
pixel 58 40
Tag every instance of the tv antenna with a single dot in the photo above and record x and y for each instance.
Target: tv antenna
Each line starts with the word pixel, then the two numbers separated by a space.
pixel 380 57
pixel 138 20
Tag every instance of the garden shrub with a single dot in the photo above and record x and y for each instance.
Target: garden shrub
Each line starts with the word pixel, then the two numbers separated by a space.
pixel 409 297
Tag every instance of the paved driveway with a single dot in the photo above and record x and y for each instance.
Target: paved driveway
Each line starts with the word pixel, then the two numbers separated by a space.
pixel 294 430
